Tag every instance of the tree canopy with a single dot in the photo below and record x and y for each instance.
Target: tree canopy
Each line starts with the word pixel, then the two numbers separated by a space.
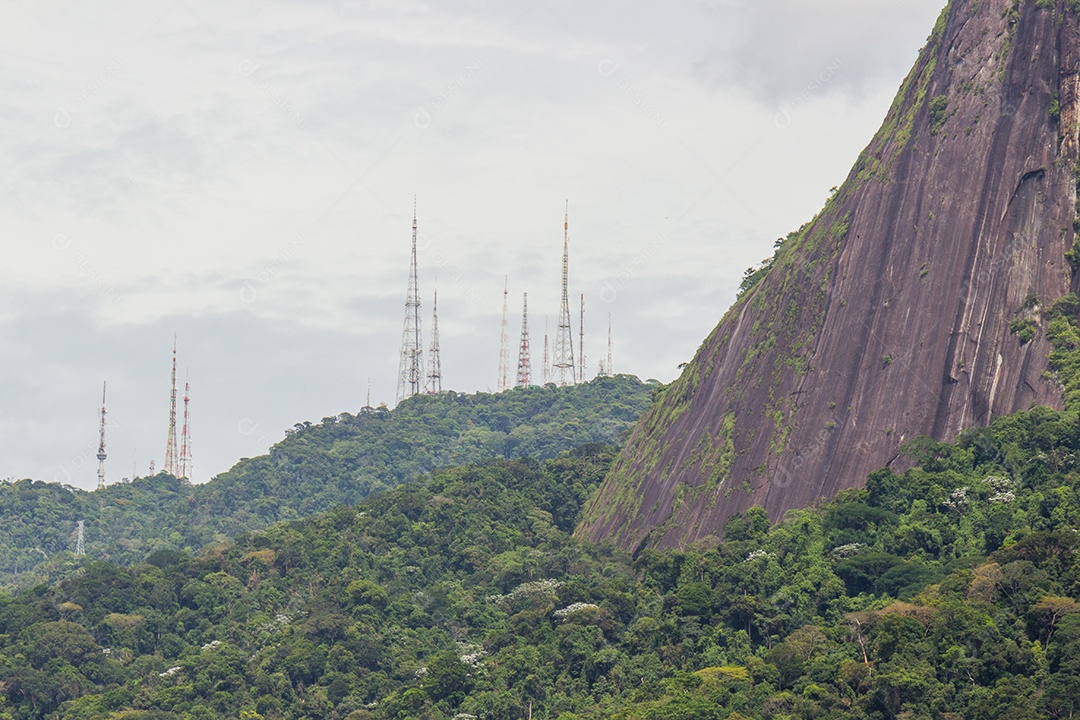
pixel 314 468
pixel 948 591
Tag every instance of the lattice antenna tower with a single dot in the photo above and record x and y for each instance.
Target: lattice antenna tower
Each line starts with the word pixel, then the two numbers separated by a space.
pixel 581 342
pixel 563 364
pixel 367 406
pixel 171 457
pixel 434 378
pixel 504 341
pixel 80 538
pixel 101 444
pixel 185 437
pixel 607 366
pixel 411 368
pixel 524 372
pixel 545 373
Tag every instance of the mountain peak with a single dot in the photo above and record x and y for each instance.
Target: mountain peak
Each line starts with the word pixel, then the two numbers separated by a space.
pixel 909 306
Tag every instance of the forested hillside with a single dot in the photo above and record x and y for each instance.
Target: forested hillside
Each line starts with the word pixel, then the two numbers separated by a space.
pixel 948 592
pixel 315 467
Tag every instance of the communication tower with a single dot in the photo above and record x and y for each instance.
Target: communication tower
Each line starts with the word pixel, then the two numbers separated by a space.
pixel 185 437
pixel 171 457
pixel 545 373
pixel 411 368
pixel 524 373
pixel 434 378
pixel 101 444
pixel 581 342
pixel 504 342
pixel 563 364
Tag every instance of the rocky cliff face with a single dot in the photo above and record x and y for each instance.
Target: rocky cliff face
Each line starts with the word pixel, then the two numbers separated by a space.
pixel 910 306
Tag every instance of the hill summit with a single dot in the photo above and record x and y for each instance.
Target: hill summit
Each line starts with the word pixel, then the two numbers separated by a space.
pixel 914 304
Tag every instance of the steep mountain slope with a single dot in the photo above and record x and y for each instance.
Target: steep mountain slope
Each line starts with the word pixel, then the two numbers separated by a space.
pixel 911 305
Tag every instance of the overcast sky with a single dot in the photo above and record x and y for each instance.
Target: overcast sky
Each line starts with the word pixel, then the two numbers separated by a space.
pixel 242 174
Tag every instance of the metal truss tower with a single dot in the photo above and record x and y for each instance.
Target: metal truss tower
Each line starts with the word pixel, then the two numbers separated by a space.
pixel 101 444
pixel 171 456
pixel 434 378
pixel 185 437
pixel 524 372
pixel 411 368
pixel 563 363
pixel 581 342
pixel 80 538
pixel 504 341
pixel 545 373
pixel 607 366
pixel 367 406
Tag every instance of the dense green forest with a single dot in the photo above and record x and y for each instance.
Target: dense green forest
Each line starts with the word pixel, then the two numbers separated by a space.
pixel 949 591
pixel 316 467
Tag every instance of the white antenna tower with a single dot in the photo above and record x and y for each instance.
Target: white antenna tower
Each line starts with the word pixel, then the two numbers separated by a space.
pixel 607 367
pixel 185 437
pixel 434 378
pixel 504 341
pixel 581 342
pixel 563 364
pixel 411 369
pixel 101 444
pixel 367 406
pixel 545 373
pixel 80 539
pixel 171 457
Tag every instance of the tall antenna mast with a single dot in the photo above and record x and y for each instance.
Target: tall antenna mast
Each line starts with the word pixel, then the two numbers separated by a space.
pixel 367 406
pixel 80 539
pixel 545 373
pixel 434 378
pixel 170 444
pixel 411 369
pixel 101 444
pixel 607 367
pixel 504 341
pixel 581 342
pixel 185 437
pixel 524 373
pixel 563 364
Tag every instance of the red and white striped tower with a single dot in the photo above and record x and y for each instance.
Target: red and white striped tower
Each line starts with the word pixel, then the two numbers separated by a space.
pixel 524 373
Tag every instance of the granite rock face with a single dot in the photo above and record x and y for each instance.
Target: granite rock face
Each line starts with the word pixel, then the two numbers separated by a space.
pixel 909 306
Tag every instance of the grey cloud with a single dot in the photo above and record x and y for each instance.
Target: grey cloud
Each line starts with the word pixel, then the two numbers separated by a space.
pixel 778 50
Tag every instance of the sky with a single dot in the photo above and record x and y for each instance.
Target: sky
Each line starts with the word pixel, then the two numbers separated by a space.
pixel 242 175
